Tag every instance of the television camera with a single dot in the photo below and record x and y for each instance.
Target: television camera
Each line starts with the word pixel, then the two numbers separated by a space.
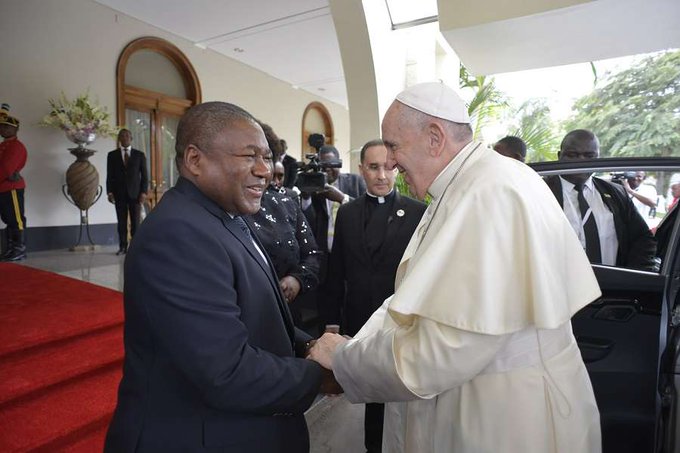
pixel 311 176
pixel 619 176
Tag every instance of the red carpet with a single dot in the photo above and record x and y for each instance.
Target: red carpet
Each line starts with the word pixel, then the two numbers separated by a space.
pixel 61 351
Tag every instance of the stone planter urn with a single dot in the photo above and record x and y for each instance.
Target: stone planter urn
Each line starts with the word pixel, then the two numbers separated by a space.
pixel 82 178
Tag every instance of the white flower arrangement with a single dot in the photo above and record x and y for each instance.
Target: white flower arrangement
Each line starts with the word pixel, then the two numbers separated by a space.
pixel 79 117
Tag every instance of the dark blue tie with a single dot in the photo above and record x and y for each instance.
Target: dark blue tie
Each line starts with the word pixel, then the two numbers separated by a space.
pixel 285 313
pixel 589 228
pixel 244 226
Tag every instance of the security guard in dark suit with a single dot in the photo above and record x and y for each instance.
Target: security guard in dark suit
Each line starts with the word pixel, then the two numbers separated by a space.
pixel 126 185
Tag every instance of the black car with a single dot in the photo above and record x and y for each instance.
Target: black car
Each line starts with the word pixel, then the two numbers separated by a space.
pixel 629 338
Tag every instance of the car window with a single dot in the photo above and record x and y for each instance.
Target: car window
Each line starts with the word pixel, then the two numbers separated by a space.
pixel 617 215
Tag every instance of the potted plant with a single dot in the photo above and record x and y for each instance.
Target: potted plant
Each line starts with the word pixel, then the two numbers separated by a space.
pixel 81 120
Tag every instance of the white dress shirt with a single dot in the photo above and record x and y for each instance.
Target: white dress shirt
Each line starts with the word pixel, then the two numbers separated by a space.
pixel 122 152
pixel 604 218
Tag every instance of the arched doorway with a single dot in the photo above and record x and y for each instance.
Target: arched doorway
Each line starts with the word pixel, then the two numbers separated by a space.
pixel 315 120
pixel 155 85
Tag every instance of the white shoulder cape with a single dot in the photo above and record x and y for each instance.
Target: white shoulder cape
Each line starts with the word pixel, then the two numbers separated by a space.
pixel 494 253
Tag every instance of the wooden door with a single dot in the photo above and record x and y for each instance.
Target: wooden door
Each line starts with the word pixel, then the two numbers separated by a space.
pixel 153 118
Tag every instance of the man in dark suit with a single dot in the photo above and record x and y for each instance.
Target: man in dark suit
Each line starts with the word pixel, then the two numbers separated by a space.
pixel 604 218
pixel 210 347
pixel 371 234
pixel 289 165
pixel 126 185
pixel 321 209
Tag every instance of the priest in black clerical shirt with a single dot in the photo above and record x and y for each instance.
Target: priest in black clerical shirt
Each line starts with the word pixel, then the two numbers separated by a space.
pixel 371 234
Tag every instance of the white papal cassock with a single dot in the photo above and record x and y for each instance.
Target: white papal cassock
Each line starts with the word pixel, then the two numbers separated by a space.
pixel 474 352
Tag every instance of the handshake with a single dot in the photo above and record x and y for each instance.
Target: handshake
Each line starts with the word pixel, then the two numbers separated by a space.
pixel 321 351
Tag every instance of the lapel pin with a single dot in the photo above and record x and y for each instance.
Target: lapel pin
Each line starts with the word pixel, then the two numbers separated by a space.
pixel 400 213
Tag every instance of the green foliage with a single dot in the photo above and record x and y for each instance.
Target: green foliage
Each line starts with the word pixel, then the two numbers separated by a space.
pixel 403 188
pixel 538 130
pixel 637 111
pixel 488 102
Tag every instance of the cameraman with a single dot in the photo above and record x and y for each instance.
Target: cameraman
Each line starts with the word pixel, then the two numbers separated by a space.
pixel 643 195
pixel 320 208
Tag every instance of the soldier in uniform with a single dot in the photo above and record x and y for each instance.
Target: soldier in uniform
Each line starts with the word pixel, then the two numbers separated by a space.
pixel 12 160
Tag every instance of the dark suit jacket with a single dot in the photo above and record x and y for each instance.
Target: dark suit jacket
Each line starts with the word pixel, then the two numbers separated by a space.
pixel 357 283
pixel 637 245
pixel 317 213
pixel 126 182
pixel 290 169
pixel 209 361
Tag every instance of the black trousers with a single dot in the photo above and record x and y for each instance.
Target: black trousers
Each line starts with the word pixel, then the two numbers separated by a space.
pixel 373 427
pixel 124 208
pixel 12 209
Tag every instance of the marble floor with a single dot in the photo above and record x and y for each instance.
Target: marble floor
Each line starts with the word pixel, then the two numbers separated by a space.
pixel 335 425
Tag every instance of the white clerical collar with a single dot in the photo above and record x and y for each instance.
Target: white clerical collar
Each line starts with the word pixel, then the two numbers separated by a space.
pixel 381 200
pixel 442 180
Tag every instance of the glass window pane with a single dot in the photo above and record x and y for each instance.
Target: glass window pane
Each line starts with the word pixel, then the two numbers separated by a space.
pixel 408 10
pixel 628 207
pixel 139 124
pixel 168 135
pixel 152 71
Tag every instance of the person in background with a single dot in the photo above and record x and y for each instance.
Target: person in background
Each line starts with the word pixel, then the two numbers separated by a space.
pixel 664 230
pixel 371 234
pixel 674 190
pixel 126 185
pixel 212 359
pixel 282 229
pixel 610 229
pixel 474 352
pixel 289 165
pixel 278 177
pixel 643 195
pixel 513 147
pixel 278 174
pixel 13 157
pixel 321 209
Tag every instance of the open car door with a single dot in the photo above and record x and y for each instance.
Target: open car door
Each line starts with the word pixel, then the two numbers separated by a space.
pixel 629 337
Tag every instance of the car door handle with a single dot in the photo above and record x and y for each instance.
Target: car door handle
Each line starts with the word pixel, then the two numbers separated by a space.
pixel 616 312
pixel 594 349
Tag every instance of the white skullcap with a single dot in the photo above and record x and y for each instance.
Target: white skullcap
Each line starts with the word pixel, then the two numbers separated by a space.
pixel 675 179
pixel 436 99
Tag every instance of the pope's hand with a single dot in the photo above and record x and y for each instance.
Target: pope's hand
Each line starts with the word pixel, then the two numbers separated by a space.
pixel 324 348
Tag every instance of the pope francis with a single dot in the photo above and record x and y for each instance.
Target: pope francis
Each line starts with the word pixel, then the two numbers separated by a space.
pixel 474 352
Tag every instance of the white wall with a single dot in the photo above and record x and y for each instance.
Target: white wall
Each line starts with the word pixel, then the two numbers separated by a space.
pixel 72 45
